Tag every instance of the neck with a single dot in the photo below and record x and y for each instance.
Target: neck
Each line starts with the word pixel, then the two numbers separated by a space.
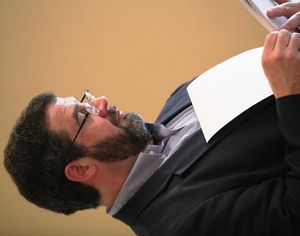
pixel 112 176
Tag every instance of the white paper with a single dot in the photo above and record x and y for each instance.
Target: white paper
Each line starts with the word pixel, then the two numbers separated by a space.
pixel 228 89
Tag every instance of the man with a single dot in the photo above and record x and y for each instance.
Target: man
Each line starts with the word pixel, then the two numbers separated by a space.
pixel 65 155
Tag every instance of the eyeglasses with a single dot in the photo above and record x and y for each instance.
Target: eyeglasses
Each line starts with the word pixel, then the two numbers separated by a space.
pixel 89 108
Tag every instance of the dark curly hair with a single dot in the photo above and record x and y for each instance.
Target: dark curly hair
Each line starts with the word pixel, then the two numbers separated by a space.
pixel 36 157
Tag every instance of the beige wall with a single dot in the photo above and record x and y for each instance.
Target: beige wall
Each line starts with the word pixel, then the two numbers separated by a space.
pixel 133 51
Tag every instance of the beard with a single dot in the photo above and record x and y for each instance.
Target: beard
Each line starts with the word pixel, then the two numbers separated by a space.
pixel 130 142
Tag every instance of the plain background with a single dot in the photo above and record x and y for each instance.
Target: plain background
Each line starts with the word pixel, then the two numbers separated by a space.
pixel 135 52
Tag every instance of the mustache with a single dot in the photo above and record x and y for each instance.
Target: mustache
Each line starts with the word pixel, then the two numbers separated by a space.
pixel 112 109
pixel 131 117
pixel 113 114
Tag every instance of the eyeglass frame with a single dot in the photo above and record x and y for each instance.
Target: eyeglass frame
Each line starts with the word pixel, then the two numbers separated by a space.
pixel 90 109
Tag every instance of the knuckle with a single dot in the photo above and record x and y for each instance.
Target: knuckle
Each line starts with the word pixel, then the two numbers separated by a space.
pixel 293 57
pixel 290 55
pixel 286 8
pixel 284 32
pixel 266 60
pixel 278 57
pixel 296 36
pixel 272 36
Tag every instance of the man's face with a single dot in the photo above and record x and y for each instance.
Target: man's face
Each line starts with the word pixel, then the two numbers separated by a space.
pixel 109 136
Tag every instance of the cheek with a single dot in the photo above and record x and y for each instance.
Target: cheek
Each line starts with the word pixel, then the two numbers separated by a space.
pixel 99 131
pixel 72 131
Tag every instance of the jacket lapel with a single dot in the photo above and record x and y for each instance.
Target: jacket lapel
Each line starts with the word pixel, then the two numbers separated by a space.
pixel 178 101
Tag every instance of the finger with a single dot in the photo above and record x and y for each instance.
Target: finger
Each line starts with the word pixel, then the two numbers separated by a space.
pixel 281 1
pixel 270 42
pixel 292 23
pixel 286 9
pixel 283 40
pixel 294 44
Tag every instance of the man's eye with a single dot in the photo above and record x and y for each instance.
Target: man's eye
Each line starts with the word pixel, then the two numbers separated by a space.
pixel 82 110
pixel 81 116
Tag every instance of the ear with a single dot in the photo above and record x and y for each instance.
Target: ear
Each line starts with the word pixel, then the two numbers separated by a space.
pixel 81 170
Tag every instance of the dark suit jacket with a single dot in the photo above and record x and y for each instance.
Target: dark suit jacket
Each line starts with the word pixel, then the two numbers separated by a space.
pixel 245 181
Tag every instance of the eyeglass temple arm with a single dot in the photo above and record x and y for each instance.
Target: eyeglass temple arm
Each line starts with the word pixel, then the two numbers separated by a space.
pixel 82 123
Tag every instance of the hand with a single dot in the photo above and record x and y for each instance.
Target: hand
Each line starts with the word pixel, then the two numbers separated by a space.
pixel 290 10
pixel 281 62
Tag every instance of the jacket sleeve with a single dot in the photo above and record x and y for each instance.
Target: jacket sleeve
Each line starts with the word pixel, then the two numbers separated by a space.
pixel 270 206
pixel 288 109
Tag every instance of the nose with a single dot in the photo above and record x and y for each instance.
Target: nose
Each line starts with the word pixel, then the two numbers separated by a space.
pixel 102 104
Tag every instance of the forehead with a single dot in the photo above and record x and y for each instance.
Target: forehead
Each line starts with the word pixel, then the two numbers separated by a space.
pixel 59 114
pixel 60 101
